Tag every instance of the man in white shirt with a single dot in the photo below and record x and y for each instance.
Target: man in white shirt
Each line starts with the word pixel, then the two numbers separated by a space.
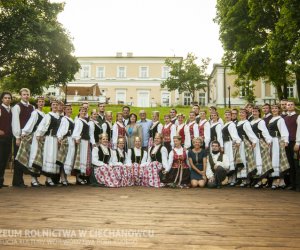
pixel 217 166
pixel 5 133
pixel 21 113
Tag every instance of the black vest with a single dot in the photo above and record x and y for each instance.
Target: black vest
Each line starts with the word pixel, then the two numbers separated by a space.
pixel 71 128
pixel 153 131
pixel 136 159
pixel 97 132
pixel 241 132
pixel 85 135
pixel 273 129
pixel 225 133
pixel 211 161
pixel 235 122
pixel 120 159
pixel 109 131
pixel 257 131
pixel 213 133
pixel 53 127
pixel 102 156
pixel 40 118
pixel 157 156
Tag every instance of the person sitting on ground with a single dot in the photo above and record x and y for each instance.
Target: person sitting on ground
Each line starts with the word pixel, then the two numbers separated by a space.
pixel 217 166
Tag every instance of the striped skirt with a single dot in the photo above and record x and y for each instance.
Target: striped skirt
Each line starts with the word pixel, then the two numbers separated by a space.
pixel 280 162
pixel 83 158
pixel 266 167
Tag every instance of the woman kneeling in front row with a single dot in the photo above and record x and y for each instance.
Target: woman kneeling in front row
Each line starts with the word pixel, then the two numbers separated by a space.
pixel 178 169
pixel 197 159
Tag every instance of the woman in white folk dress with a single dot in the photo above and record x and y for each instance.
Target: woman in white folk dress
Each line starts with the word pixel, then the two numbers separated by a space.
pixel 193 127
pixel 280 139
pixel 232 143
pixel 178 171
pixel 81 135
pixel 168 132
pixel 204 129
pixel 137 157
pixel 183 130
pixel 123 168
pixel 157 163
pixel 262 149
pixel 107 127
pixel 216 129
pixel 66 152
pixel 118 130
pixel 103 158
pixel 95 128
pixel 47 130
pixel 248 144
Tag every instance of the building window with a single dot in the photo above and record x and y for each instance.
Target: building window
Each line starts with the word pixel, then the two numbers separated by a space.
pixel 186 99
pixel 244 88
pixel 120 96
pixel 165 99
pixel 100 72
pixel 290 92
pixel 85 71
pixel 165 72
pixel 144 72
pixel 202 99
pixel 121 72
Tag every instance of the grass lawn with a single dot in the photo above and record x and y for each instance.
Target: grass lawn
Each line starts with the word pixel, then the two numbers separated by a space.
pixel 162 110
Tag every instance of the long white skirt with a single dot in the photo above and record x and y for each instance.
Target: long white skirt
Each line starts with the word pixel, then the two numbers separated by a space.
pixel 229 152
pixel 275 157
pixel 33 150
pixel 50 155
pixel 257 157
pixel 69 162
pixel 243 172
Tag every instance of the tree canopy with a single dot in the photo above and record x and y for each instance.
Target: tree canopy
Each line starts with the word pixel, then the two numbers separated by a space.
pixel 186 75
pixel 261 39
pixel 35 49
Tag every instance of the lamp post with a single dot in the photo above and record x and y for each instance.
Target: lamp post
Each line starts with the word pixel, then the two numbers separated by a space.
pixel 229 104
pixel 66 94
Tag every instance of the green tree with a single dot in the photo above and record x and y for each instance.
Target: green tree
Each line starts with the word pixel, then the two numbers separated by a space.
pixel 245 89
pixel 186 75
pixel 35 49
pixel 261 39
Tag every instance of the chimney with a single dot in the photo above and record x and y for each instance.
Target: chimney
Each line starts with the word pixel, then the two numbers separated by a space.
pixel 119 54
pixel 129 54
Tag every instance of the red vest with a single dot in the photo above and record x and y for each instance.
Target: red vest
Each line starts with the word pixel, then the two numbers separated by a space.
pixel 121 131
pixel 201 129
pixel 291 123
pixel 5 122
pixel 25 113
pixel 182 135
pixel 166 132
pixel 191 128
pixel 179 160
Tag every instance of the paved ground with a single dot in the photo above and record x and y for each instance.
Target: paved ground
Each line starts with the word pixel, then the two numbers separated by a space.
pixel 84 217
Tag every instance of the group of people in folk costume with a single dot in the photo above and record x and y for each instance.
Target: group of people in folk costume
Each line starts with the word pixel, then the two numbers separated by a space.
pixel 251 146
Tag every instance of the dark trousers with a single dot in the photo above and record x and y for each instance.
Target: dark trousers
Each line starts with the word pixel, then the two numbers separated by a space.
pixel 220 175
pixel 18 168
pixel 5 153
pixel 293 163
